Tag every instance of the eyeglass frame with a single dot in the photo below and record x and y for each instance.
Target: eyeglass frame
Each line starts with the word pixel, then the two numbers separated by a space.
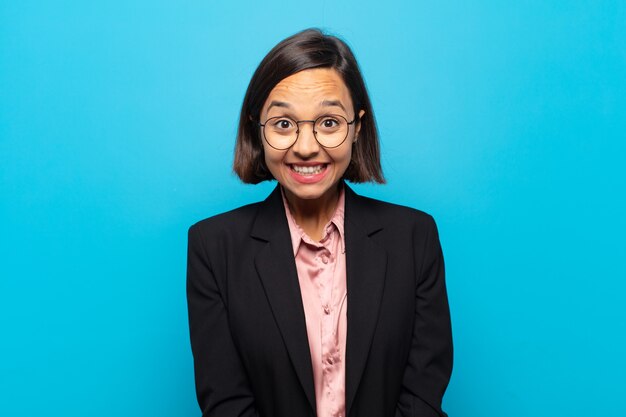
pixel 297 122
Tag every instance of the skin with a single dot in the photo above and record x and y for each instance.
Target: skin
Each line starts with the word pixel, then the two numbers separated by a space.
pixel 307 95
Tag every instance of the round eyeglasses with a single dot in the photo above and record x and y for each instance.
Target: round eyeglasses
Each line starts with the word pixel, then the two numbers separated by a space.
pixel 330 131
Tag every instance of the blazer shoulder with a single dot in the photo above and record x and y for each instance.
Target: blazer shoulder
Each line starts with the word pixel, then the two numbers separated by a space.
pixel 238 219
pixel 397 214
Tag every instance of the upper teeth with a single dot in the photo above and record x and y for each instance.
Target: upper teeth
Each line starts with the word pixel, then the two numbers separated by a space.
pixel 308 169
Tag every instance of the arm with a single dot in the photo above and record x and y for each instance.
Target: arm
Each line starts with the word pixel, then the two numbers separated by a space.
pixel 222 386
pixel 429 363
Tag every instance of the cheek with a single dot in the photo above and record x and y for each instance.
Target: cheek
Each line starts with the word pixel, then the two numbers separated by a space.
pixel 342 157
pixel 272 158
pixel 347 153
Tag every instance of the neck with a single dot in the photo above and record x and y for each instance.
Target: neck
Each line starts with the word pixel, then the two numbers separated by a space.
pixel 312 215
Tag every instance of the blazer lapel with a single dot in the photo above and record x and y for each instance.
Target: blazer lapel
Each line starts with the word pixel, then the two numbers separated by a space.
pixel 366 264
pixel 276 267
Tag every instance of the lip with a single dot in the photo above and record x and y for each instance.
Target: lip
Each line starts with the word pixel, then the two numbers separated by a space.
pixel 308 179
pixel 307 163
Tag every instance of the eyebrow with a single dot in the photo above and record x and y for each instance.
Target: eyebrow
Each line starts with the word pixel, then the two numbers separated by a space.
pixel 324 103
pixel 279 104
pixel 333 103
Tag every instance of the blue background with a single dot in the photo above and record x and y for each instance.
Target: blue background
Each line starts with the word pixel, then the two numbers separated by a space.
pixel 504 120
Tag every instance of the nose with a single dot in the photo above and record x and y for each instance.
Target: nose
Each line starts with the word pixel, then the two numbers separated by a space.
pixel 306 145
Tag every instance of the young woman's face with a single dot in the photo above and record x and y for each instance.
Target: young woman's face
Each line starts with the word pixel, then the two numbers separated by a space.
pixel 307 170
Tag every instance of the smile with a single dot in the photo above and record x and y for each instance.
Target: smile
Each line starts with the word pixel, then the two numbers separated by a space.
pixel 308 170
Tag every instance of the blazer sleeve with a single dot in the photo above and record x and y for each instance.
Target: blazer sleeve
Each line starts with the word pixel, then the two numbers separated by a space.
pixel 429 364
pixel 222 386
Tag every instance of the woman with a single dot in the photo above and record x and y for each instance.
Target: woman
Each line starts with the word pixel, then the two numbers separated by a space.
pixel 316 302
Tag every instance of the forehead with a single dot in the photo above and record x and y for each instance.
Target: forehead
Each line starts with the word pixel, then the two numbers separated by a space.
pixel 309 88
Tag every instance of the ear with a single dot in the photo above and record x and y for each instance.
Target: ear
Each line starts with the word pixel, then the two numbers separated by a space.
pixel 357 127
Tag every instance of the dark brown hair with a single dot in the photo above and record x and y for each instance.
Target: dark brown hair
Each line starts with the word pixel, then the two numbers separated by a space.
pixel 306 50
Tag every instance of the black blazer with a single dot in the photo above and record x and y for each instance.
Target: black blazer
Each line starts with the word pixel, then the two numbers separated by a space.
pixel 247 324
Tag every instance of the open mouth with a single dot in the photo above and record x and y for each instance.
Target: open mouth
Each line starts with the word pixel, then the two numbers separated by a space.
pixel 308 170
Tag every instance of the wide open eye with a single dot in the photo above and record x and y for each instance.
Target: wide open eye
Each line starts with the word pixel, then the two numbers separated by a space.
pixel 329 124
pixel 282 124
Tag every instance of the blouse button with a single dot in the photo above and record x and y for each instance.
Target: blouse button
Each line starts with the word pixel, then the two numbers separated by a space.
pixel 326 310
pixel 325 259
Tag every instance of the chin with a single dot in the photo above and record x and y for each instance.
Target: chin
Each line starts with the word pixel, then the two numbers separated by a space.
pixel 306 194
pixel 308 191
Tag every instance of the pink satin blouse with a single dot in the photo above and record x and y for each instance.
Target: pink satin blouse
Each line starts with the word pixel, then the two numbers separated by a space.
pixel 322 275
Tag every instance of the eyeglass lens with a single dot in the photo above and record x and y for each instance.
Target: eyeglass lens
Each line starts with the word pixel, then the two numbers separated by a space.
pixel 329 130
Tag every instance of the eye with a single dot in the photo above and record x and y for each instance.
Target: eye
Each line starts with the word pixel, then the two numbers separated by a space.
pixel 282 124
pixel 330 124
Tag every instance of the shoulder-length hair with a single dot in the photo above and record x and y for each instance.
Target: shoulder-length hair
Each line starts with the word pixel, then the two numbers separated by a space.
pixel 306 50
